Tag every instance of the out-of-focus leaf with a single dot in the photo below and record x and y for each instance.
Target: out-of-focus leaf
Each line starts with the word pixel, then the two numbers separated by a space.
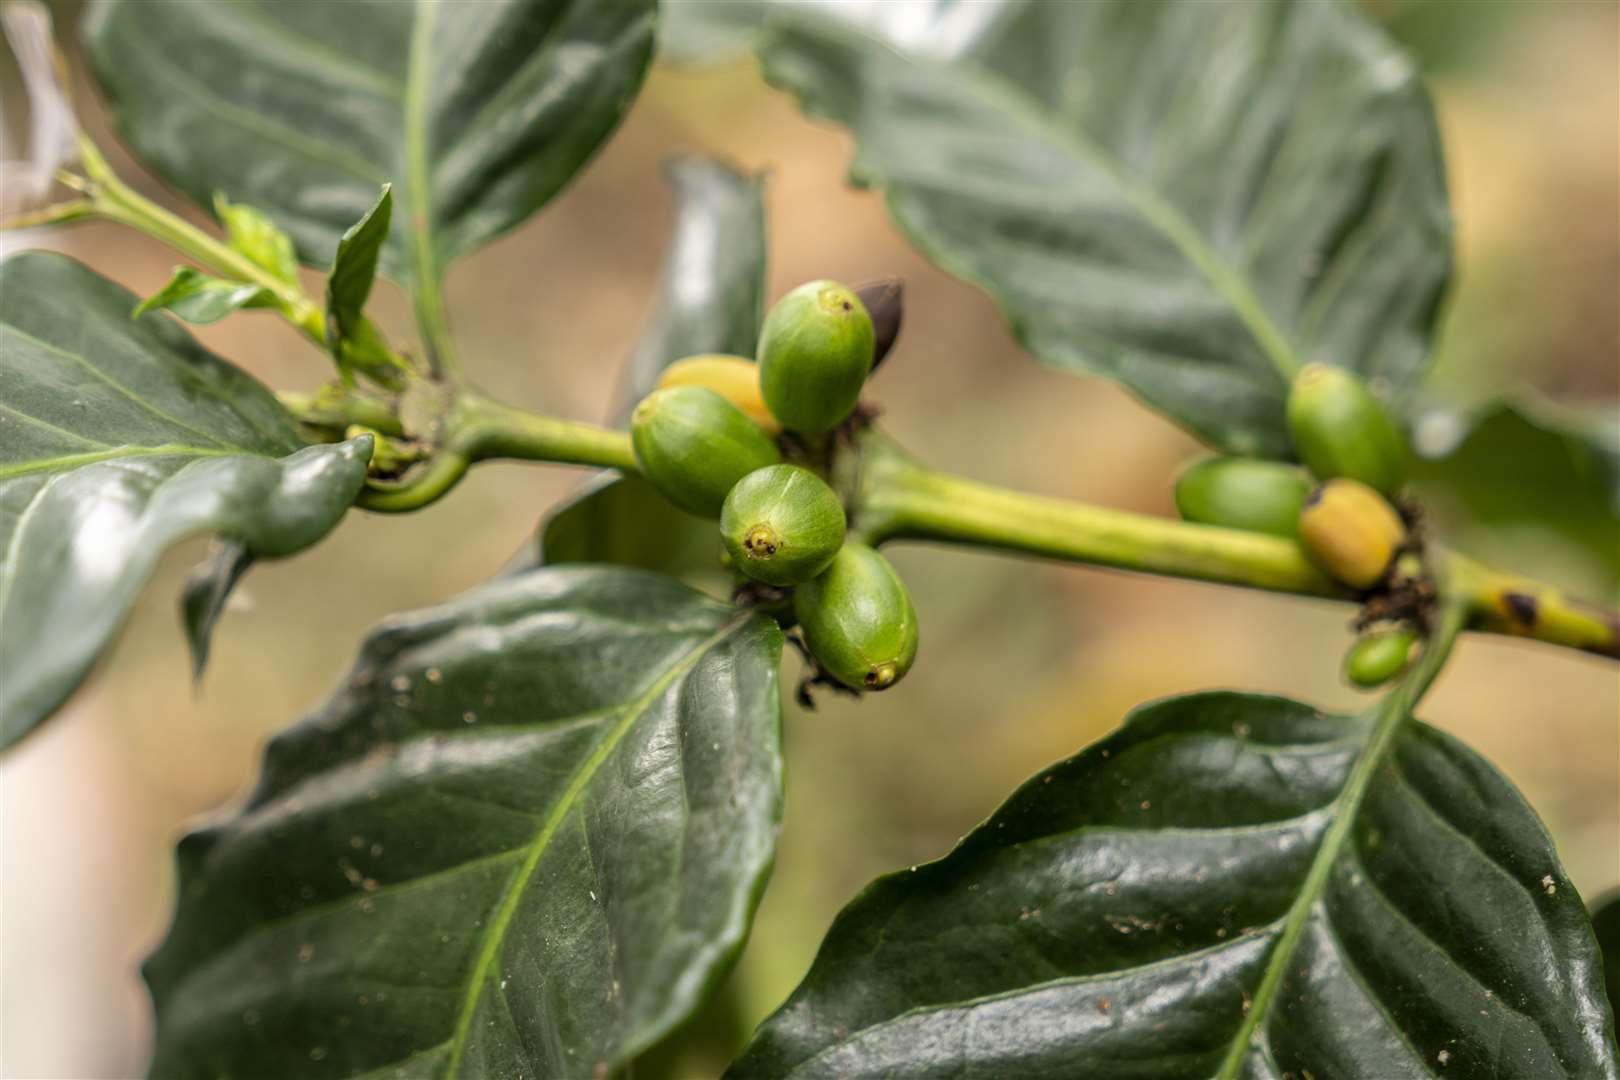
pixel 254 235
pixel 1230 886
pixel 525 838
pixel 203 597
pixel 477 112
pixel 119 436
pixel 711 294
pixel 710 300
pixel 1528 469
pixel 1194 199
pixel 200 299
pixel 53 130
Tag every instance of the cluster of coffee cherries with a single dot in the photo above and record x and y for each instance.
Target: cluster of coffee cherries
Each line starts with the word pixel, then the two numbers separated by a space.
pixel 749 444
pixel 1342 507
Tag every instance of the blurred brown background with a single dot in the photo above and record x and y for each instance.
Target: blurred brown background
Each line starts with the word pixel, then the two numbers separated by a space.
pixel 1022 662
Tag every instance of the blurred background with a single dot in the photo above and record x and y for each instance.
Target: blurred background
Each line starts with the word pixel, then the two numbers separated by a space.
pixel 1022 663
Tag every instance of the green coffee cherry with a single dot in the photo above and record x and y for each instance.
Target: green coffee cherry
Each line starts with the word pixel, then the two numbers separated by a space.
pixel 858 620
pixel 1350 531
pixel 694 445
pixel 782 524
pixel 1340 429
pixel 815 352
pixel 1243 493
pixel 732 377
pixel 1377 658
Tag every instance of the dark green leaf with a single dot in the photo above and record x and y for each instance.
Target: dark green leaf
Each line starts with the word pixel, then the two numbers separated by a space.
pixel 202 598
pixel 1194 199
pixel 348 287
pixel 257 237
pixel 118 437
pixel 1119 915
pixel 198 298
pixel 1528 470
pixel 525 838
pixel 477 112
pixel 710 300
pixel 1606 923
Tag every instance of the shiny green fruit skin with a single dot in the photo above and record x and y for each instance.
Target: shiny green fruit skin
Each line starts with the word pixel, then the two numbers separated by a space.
pixel 858 620
pixel 1243 493
pixel 694 445
pixel 1350 531
pixel 782 524
pixel 1377 658
pixel 815 351
pixel 1340 429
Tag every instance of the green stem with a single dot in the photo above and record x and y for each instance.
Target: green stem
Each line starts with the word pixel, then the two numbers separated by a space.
pixel 495 430
pixel 1392 714
pixel 114 200
pixel 899 499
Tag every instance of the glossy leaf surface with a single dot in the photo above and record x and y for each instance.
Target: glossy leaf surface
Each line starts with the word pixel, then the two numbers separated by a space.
pixel 1194 199
pixel 1119 914
pixel 119 436
pixel 710 300
pixel 477 112
pixel 525 838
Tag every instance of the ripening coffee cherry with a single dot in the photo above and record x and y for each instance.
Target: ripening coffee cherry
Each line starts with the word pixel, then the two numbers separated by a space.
pixel 1340 429
pixel 732 377
pixel 858 620
pixel 1243 493
pixel 782 524
pixel 1377 658
pixel 815 352
pixel 1350 531
pixel 694 445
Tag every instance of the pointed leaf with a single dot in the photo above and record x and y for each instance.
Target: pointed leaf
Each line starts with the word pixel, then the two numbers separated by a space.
pixel 200 299
pixel 525 838
pixel 348 287
pixel 478 113
pixel 253 234
pixel 203 597
pixel 1194 199
pixel 118 437
pixel 1225 865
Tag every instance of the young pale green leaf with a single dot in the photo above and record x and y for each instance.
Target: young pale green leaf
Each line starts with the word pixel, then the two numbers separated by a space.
pixel 1194 199
pixel 478 113
pixel 254 235
pixel 1127 913
pixel 354 269
pixel 1528 466
pixel 118 437
pixel 711 298
pixel 200 299
pixel 525 838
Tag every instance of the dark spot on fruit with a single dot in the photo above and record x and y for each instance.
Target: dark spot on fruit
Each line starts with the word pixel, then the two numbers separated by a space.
pixel 848 306
pixel 1523 607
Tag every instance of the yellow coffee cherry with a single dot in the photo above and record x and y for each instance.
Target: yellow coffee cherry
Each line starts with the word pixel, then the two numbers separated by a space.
pixel 732 377
pixel 1350 531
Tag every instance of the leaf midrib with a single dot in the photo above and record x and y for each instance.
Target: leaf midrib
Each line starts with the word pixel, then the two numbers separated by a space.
pixel 69 461
pixel 1390 717
pixel 495 932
